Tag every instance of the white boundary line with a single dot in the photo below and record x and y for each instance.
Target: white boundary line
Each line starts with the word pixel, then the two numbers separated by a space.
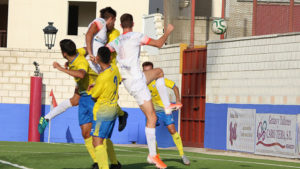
pixel 14 165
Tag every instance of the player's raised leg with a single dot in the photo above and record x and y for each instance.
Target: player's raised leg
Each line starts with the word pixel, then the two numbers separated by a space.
pixel 158 75
pixel 59 109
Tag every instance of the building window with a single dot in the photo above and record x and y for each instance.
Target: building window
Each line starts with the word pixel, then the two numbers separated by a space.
pixel 3 22
pixel 80 15
pixel 203 8
pixel 156 6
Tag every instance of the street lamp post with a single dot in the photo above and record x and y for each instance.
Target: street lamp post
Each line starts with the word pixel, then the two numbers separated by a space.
pixel 49 35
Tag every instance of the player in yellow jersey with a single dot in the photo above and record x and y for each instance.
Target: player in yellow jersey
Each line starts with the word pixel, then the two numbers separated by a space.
pixel 105 93
pixel 167 119
pixel 84 76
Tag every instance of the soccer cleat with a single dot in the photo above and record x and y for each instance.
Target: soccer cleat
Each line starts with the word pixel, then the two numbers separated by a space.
pixel 42 124
pixel 149 160
pixel 156 160
pixel 185 160
pixel 172 107
pixel 123 121
pixel 116 166
pixel 95 166
pixel 157 123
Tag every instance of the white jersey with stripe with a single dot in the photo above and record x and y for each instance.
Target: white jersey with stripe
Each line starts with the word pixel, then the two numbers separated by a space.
pixel 127 47
pixel 99 40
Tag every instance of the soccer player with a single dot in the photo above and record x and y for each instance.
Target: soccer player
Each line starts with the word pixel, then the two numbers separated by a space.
pixel 135 81
pixel 167 119
pixel 96 37
pixel 83 76
pixel 105 92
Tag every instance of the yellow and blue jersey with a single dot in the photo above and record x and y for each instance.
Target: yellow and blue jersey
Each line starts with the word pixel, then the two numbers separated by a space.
pixel 106 92
pixel 81 51
pixel 112 35
pixel 80 63
pixel 156 100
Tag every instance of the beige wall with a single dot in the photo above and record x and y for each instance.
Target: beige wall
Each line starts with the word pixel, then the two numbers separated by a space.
pixel 254 70
pixel 27 18
pixel 16 68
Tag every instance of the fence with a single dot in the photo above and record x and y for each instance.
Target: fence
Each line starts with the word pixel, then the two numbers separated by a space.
pixel 261 17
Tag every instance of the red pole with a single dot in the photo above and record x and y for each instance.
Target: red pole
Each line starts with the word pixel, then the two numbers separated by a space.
pixel 291 16
pixel 192 25
pixel 254 17
pixel 223 14
pixel 35 108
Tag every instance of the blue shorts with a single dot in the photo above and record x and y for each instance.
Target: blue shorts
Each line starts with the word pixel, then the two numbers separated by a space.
pixel 102 129
pixel 167 119
pixel 105 121
pixel 85 110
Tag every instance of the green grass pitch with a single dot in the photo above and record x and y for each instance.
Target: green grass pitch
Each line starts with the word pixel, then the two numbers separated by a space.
pixel 75 156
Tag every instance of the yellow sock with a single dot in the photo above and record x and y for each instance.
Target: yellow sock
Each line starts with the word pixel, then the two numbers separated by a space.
pixel 89 146
pixel 178 142
pixel 110 151
pixel 120 111
pixel 101 156
pixel 157 149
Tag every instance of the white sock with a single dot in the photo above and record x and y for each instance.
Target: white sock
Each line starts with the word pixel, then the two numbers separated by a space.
pixel 163 92
pixel 60 108
pixel 151 140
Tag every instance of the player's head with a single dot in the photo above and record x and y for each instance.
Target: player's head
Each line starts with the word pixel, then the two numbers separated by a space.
pixel 126 21
pixel 103 55
pixel 109 15
pixel 68 47
pixel 147 66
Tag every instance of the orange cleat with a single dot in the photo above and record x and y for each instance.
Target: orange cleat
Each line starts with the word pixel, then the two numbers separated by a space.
pixel 172 107
pixel 156 160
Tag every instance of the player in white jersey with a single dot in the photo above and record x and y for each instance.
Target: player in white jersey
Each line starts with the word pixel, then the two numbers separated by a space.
pixel 135 81
pixel 96 35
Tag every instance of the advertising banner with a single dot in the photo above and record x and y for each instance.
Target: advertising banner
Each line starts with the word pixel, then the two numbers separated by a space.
pixel 241 129
pixel 276 135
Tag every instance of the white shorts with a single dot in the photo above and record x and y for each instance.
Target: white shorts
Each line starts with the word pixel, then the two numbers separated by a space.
pixel 94 66
pixel 138 89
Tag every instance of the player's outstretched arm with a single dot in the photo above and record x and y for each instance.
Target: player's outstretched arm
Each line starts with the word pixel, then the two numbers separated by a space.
pixel 161 41
pixel 177 95
pixel 88 39
pixel 74 73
